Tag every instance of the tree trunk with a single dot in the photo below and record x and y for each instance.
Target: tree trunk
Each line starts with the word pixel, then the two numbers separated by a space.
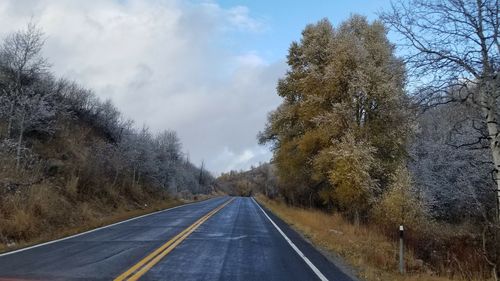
pixel 115 179
pixel 310 200
pixel 19 143
pixel 486 92
pixel 11 117
pixel 133 178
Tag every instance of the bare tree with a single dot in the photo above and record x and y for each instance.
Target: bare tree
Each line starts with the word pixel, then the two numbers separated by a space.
pixel 27 88
pixel 200 178
pixel 454 44
pixel 453 182
pixel 167 156
pixel 21 64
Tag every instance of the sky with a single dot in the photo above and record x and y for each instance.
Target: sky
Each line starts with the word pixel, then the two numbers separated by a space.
pixel 206 69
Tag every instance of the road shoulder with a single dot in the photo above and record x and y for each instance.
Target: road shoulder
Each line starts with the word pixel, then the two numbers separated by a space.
pixel 320 257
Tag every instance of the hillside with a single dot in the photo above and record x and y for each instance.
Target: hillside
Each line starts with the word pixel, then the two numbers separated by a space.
pixel 69 160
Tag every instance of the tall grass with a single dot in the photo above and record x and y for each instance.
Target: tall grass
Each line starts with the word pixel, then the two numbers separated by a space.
pixel 42 213
pixel 366 247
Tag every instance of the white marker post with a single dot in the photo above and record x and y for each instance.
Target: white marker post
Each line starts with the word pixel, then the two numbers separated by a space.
pixel 401 250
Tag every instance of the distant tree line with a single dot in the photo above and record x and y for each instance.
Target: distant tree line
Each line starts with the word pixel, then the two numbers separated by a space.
pixel 261 179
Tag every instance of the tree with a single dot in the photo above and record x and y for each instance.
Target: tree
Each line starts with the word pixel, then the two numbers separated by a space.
pixel 344 90
pixel 27 89
pixel 454 44
pixel 35 111
pixel 401 204
pixel 168 157
pixel 21 63
pixel 349 163
pixel 454 182
pixel 302 90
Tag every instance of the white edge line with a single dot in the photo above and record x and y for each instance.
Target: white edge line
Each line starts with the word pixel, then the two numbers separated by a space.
pixel 299 252
pixel 95 229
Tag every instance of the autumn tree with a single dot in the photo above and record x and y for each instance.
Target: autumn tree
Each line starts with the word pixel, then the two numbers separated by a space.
pixel 291 128
pixel 343 103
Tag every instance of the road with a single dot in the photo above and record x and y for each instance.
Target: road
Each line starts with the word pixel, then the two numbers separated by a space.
pixel 218 239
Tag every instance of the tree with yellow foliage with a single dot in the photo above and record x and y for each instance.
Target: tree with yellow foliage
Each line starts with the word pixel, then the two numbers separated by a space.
pixel 341 129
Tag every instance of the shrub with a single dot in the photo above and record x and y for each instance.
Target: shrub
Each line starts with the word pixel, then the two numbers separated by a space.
pixel 400 205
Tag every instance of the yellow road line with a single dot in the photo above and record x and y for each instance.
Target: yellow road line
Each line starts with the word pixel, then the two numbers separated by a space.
pixel 140 268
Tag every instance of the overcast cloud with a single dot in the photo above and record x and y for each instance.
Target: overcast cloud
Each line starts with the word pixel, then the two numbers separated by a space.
pixel 166 64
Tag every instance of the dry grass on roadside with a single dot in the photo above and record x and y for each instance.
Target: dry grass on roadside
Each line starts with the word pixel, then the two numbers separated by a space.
pixel 370 252
pixel 43 216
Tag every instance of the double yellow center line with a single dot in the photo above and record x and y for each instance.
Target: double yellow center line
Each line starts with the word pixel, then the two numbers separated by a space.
pixel 139 269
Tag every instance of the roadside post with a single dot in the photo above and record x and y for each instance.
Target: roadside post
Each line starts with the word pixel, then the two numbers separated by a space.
pixel 401 250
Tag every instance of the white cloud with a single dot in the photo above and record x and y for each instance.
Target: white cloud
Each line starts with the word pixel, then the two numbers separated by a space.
pixel 163 63
pixel 239 16
pixel 251 59
pixel 243 159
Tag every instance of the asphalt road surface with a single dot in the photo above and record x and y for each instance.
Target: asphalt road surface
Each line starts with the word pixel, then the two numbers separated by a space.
pixel 218 239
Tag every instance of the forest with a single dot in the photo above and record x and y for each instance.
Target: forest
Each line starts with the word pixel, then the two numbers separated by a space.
pixel 388 134
pixel 68 159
